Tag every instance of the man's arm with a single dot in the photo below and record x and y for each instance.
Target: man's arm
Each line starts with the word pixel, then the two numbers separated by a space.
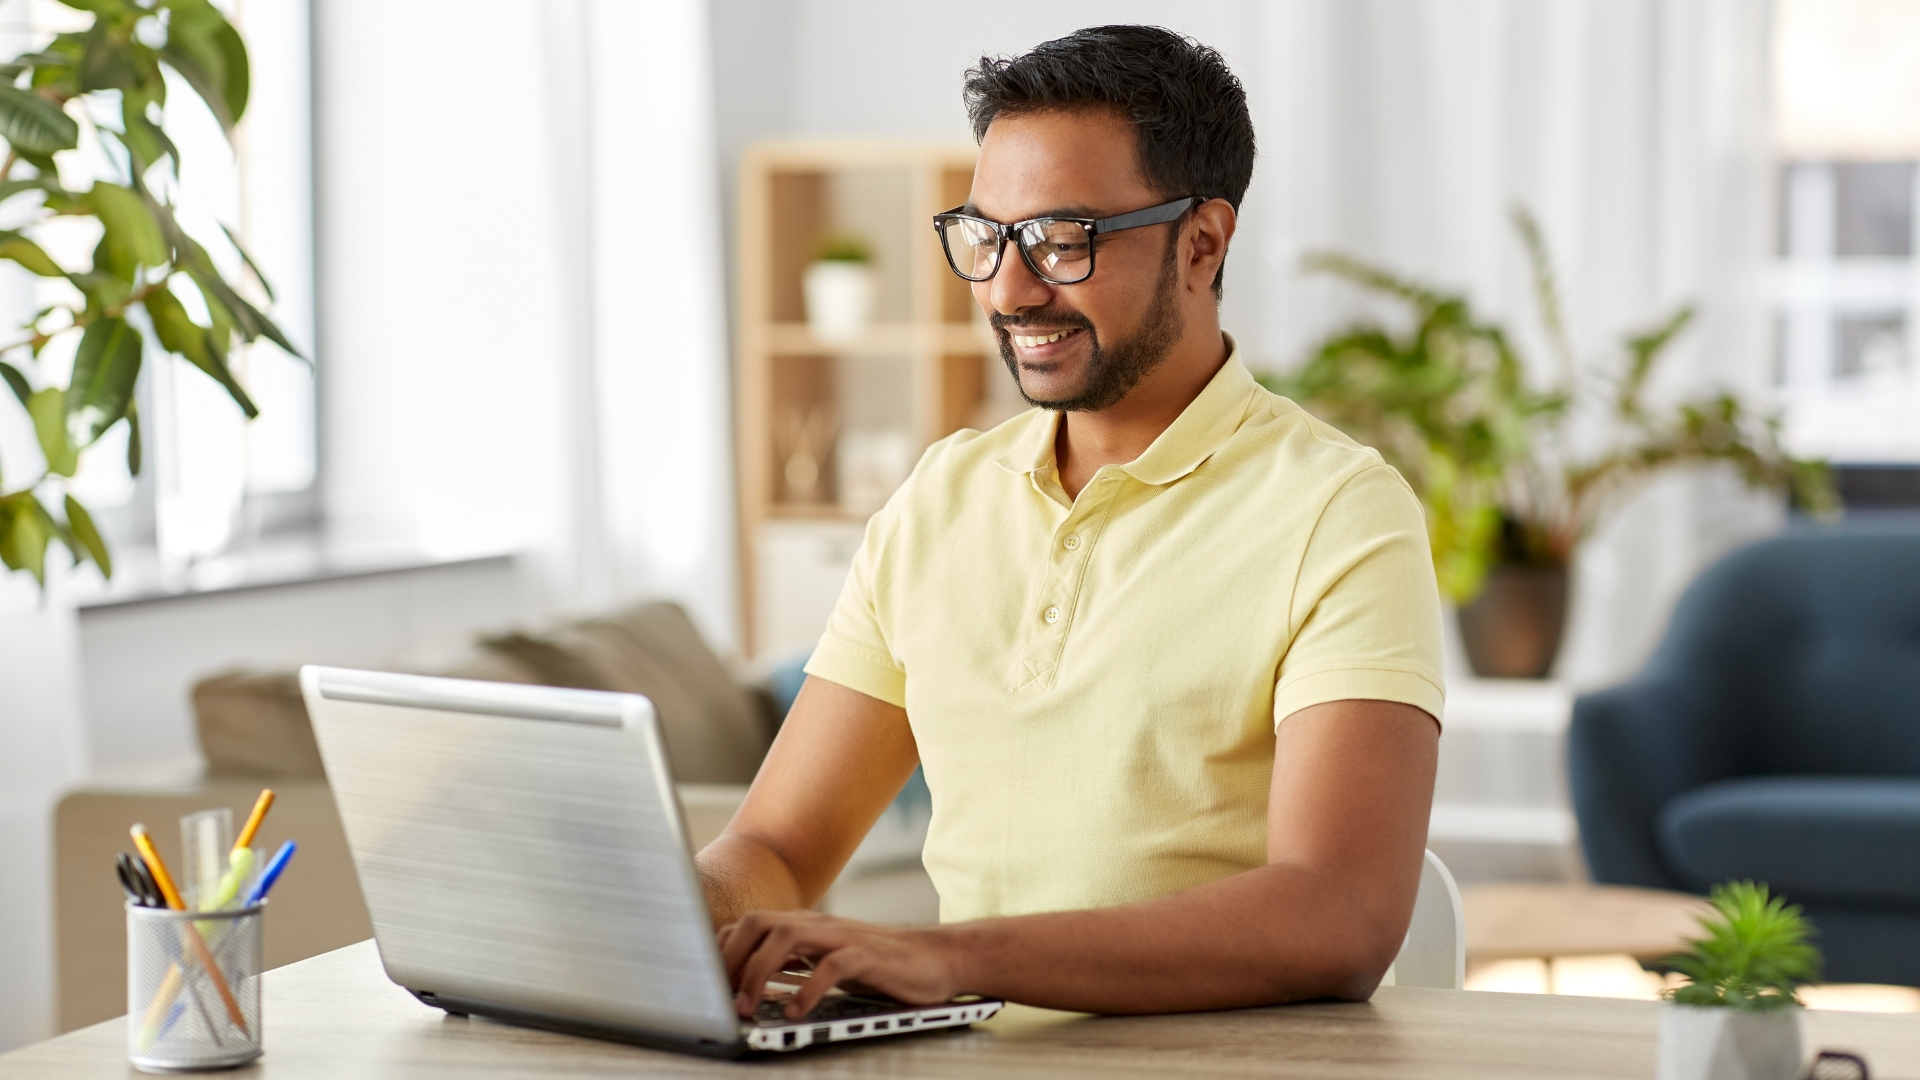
pixel 840 758
pixel 1346 824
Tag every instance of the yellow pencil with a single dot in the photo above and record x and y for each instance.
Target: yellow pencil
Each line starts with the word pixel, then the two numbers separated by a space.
pixel 157 868
pixel 162 1001
pixel 260 808
pixel 190 934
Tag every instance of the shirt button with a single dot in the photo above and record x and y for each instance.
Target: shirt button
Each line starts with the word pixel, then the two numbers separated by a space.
pixel 1071 543
pixel 1052 615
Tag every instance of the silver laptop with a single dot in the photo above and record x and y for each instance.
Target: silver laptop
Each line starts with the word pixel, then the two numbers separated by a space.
pixel 523 857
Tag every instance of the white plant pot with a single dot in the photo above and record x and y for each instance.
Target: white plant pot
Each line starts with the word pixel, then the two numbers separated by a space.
pixel 1699 1042
pixel 839 300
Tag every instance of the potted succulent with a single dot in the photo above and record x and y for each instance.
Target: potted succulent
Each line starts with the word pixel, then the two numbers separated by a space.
pixel 148 282
pixel 1510 492
pixel 839 289
pixel 1737 1017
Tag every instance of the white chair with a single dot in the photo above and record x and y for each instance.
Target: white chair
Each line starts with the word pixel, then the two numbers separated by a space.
pixel 1435 952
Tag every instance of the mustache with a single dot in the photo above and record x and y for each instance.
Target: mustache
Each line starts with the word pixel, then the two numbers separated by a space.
pixel 1053 318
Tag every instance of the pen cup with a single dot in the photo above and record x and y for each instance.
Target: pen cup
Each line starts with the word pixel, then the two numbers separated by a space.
pixel 193 988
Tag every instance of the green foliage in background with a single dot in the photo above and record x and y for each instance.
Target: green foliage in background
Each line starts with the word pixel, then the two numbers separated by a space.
pixel 844 247
pixel 145 264
pixel 1450 402
pixel 1755 953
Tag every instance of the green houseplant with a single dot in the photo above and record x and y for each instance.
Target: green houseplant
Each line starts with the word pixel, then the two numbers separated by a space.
pixel 147 278
pixel 1451 402
pixel 1737 1014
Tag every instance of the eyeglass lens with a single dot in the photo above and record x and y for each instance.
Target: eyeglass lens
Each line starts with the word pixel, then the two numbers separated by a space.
pixel 1061 251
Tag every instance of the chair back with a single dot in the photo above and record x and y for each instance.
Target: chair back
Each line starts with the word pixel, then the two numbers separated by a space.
pixel 1435 952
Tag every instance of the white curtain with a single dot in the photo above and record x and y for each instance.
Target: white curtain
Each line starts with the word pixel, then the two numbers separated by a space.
pixel 1636 130
pixel 522 341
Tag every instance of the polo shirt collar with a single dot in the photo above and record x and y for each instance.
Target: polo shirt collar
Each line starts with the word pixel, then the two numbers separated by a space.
pixel 1191 439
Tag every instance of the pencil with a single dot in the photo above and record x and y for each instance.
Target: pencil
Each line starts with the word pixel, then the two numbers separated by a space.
pixel 190 934
pixel 157 868
pixel 157 1011
pixel 260 808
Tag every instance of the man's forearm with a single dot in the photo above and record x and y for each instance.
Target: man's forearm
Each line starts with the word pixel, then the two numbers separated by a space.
pixel 1274 934
pixel 741 874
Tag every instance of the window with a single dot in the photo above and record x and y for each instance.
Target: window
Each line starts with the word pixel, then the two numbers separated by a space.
pixel 1847 294
pixel 211 478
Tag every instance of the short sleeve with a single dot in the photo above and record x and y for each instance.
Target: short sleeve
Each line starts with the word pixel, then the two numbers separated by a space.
pixel 853 651
pixel 1366 609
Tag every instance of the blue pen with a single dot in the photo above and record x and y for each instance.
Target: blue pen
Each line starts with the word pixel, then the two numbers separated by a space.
pixel 173 1017
pixel 269 875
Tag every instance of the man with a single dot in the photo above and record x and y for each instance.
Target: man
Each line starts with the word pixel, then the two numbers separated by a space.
pixel 1167 647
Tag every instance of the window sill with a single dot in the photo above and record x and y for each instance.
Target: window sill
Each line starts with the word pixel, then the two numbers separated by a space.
pixel 303 559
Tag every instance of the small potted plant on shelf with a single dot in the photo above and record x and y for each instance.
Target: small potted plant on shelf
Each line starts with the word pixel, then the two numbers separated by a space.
pixel 839 289
pixel 1489 443
pixel 1737 1017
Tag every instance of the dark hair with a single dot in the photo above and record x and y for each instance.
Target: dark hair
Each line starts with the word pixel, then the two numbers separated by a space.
pixel 1186 106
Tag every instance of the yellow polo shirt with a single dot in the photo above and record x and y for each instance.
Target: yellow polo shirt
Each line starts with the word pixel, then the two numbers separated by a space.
pixel 1094 684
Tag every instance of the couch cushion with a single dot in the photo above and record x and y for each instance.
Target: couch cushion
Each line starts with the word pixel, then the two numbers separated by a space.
pixel 255 724
pixel 716 732
pixel 1841 838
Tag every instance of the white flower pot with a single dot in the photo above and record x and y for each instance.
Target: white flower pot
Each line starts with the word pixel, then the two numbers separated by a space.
pixel 839 300
pixel 1700 1042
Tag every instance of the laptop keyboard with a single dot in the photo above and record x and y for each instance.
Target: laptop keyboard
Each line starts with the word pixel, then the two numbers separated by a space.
pixel 834 1007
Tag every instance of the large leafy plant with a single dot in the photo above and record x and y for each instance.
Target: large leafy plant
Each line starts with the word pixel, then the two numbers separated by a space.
pixel 1755 953
pixel 1450 401
pixel 147 275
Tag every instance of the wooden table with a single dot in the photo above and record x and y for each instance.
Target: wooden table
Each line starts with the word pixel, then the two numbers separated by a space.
pixel 336 1015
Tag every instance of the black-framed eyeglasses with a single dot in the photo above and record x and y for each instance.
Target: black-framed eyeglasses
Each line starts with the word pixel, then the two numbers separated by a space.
pixel 1059 250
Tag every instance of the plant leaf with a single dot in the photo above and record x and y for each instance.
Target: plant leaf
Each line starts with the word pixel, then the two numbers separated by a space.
pixel 48 409
pixel 205 49
pixel 32 124
pixel 25 531
pixel 17 382
pixel 135 452
pixel 180 334
pixel 130 225
pixel 81 524
pixel 247 258
pixel 228 308
pixel 11 188
pixel 238 84
pixel 144 139
pixel 104 370
pixel 106 63
pixel 28 254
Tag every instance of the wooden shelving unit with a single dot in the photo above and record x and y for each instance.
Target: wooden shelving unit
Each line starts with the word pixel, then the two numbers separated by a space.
pixel 918 373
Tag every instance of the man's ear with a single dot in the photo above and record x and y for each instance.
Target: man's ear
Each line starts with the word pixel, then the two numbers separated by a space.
pixel 1209 232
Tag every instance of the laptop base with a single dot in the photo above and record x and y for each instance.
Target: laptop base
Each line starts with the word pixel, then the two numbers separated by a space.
pixel 507 1014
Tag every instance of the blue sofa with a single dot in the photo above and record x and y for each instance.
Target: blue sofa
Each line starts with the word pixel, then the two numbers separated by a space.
pixel 1775 735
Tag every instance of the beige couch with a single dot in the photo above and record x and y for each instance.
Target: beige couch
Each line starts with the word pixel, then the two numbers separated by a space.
pixel 253 733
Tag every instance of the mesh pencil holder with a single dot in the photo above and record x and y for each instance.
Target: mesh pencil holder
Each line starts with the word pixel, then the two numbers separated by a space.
pixel 193 988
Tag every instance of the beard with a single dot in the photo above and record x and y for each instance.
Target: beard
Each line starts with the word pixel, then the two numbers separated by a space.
pixel 1111 371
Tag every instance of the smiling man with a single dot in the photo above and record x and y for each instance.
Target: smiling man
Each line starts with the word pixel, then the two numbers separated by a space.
pixel 1167 647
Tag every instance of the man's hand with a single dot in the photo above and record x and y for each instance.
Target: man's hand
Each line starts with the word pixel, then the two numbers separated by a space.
pixel 915 966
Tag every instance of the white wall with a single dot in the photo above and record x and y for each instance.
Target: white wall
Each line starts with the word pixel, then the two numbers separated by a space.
pixel 139 660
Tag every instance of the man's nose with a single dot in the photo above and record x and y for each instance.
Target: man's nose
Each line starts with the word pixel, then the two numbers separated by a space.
pixel 1015 287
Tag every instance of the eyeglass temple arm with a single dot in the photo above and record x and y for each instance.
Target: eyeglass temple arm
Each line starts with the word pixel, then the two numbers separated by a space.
pixel 1152 215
